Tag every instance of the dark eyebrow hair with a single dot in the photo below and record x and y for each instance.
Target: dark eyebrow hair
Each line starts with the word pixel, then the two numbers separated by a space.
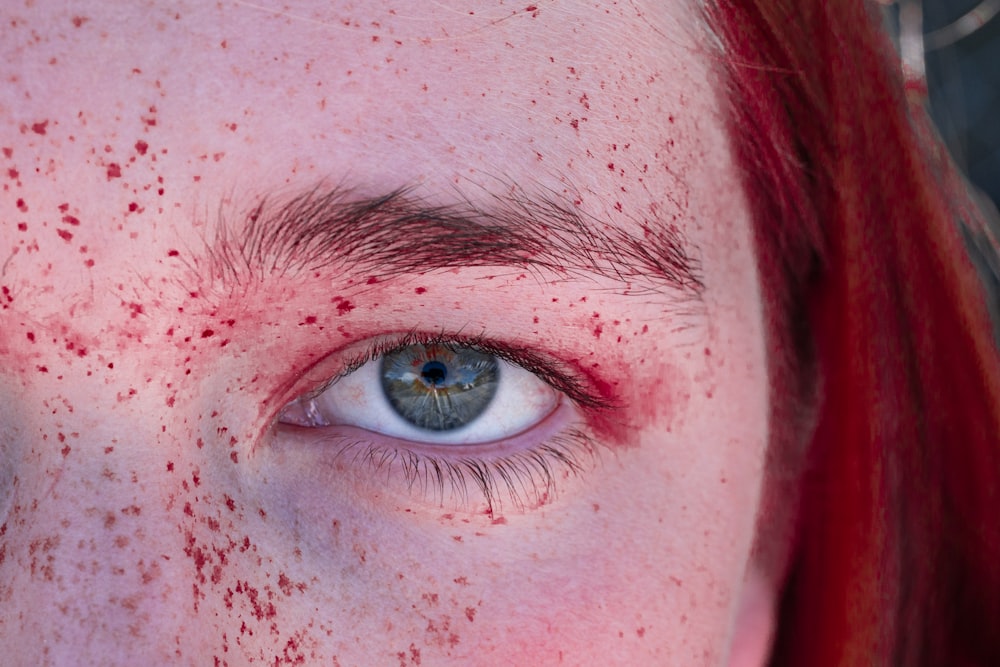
pixel 398 233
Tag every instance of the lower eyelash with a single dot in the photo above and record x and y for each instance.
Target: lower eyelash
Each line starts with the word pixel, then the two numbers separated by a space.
pixel 526 479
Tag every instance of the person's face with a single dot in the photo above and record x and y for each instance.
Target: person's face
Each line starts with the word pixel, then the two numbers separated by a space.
pixel 160 502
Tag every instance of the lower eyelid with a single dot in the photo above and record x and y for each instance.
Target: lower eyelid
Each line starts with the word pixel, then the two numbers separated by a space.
pixel 561 417
pixel 525 471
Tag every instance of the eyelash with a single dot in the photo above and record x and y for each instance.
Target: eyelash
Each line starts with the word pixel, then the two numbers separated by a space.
pixel 526 477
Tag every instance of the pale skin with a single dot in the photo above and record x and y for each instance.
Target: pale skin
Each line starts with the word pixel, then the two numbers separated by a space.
pixel 154 509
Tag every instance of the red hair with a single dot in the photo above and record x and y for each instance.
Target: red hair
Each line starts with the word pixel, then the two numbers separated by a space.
pixel 883 369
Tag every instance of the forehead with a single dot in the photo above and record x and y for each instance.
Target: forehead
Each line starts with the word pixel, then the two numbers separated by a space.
pixel 131 129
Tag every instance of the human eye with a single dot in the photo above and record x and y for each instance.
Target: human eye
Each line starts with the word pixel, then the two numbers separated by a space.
pixel 469 420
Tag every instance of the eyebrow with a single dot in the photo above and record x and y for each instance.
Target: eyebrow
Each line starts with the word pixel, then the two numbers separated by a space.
pixel 398 233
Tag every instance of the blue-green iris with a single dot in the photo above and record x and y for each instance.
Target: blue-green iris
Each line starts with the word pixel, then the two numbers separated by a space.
pixel 438 387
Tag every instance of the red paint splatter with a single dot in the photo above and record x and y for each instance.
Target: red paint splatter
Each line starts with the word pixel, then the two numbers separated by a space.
pixel 371 281
pixel 420 290
pixel 31 336
pixel 234 456
pixel 141 147
pixel 344 306
pixel 310 319
pixel 8 152
pixel 22 226
pixel 65 235
pixel 79 21
pixel 13 174
pixel 22 206
pixel 39 128
pixel 71 220
pixel 114 170
pixel 207 333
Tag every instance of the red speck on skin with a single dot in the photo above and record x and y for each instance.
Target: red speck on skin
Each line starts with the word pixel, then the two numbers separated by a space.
pixel 173 253
pixel 310 319
pixel 79 21
pixel 13 174
pixel 470 613
pixel 39 128
pixel 420 290
pixel 21 205
pixel 114 171
pixel 141 147
pixel 344 306
pixel 22 226
pixel 207 333
pixel 234 456
pixel 71 220
pixel 31 336
pixel 65 235
pixel 65 451
pixel 133 207
pixel 8 152
pixel 371 281
pixel 170 401
pixel 200 443
pixel 42 369
pixel 640 631
pixel 170 466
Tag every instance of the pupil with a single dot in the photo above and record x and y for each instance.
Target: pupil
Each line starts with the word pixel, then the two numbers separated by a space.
pixel 434 373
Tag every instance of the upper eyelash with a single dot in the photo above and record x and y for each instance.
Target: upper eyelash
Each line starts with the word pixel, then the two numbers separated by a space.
pixel 560 380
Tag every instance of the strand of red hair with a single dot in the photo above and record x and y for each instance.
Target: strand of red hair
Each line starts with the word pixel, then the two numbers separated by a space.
pixel 871 297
